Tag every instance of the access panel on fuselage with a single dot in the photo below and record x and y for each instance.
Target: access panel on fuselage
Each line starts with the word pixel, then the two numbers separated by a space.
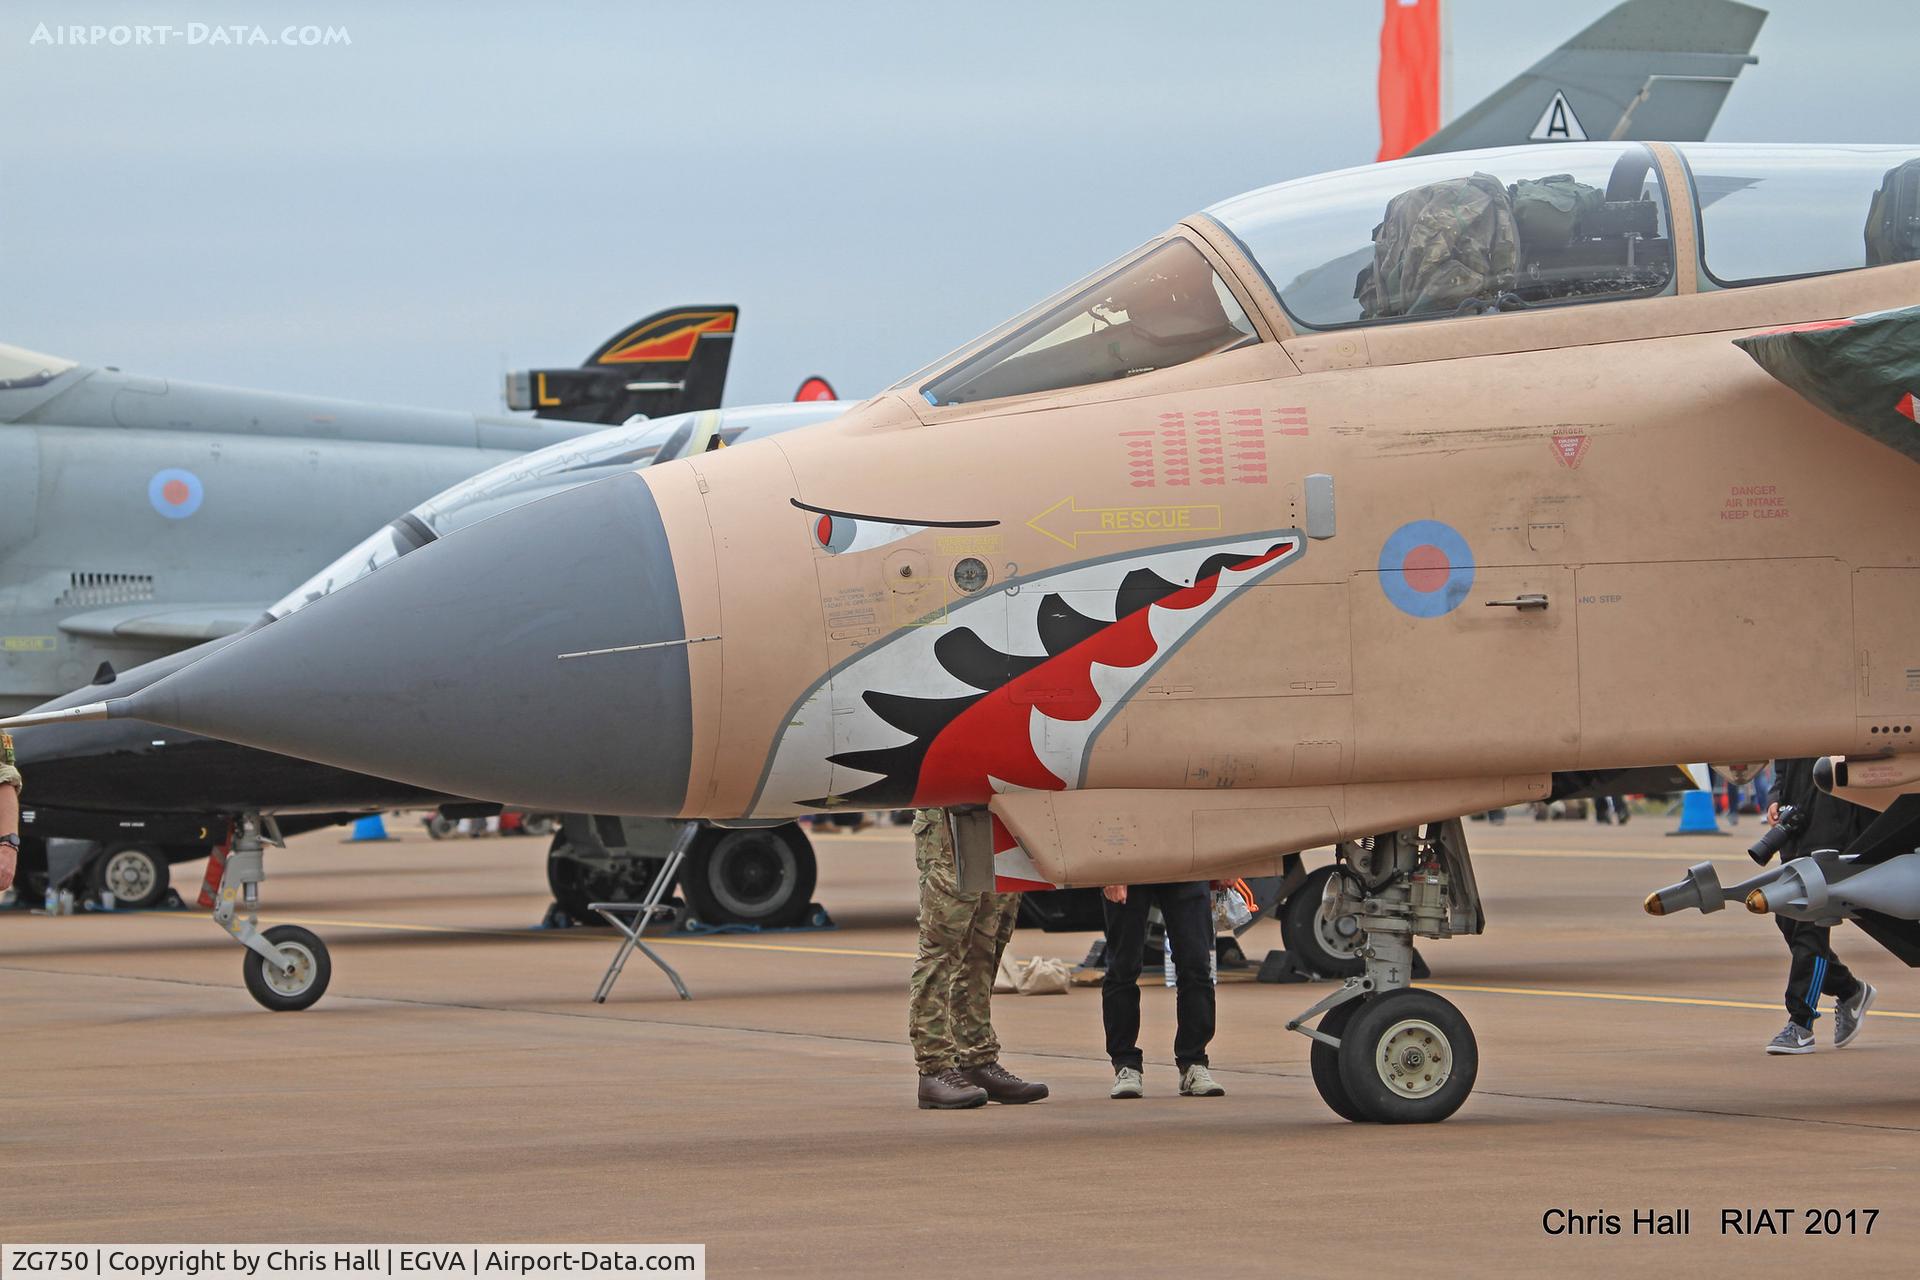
pixel 1449 678
pixel 1714 660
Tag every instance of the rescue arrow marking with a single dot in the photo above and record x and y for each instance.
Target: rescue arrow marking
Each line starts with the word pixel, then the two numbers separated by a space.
pixel 1066 521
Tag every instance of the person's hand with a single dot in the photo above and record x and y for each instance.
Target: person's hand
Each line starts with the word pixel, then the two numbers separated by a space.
pixel 1773 813
pixel 1115 893
pixel 7 859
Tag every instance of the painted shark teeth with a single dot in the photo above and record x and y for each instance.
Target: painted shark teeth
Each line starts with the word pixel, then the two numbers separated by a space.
pixel 1011 693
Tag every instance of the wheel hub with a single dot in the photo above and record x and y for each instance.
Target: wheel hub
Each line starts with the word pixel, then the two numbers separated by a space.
pixel 750 875
pixel 129 875
pixel 290 979
pixel 1339 932
pixel 1414 1058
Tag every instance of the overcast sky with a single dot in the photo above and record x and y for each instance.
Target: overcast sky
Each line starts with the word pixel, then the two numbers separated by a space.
pixel 469 188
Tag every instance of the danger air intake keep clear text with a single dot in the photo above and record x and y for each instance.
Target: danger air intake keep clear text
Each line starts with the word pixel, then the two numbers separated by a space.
pixel 337 1261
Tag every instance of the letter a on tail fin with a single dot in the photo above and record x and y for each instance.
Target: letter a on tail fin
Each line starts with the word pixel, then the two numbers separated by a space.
pixel 1646 70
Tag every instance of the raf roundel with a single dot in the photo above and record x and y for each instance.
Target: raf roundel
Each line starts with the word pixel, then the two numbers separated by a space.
pixel 1426 568
pixel 174 493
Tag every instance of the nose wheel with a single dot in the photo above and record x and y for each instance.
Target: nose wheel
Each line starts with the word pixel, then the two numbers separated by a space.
pixel 286 968
pixel 297 978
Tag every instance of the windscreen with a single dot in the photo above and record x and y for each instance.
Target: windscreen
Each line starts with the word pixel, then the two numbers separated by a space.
pixel 1162 308
pixel 20 367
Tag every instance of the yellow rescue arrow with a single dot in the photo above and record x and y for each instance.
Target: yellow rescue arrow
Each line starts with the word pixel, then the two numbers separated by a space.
pixel 1066 521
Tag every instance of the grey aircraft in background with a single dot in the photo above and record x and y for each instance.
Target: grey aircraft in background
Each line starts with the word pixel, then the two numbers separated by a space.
pixel 1645 71
pixel 141 515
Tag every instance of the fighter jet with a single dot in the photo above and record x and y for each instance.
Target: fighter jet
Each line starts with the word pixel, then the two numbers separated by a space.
pixel 123 800
pixel 1178 570
pixel 177 810
pixel 140 515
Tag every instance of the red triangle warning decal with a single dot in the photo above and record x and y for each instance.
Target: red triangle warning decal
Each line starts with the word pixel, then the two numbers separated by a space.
pixel 1570 448
pixel 1906 408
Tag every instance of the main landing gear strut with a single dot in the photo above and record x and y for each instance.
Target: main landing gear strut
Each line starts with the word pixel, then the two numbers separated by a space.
pixel 1385 1052
pixel 286 967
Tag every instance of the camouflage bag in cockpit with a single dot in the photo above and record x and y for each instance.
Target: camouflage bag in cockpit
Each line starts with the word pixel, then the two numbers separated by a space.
pixel 1548 210
pixel 1440 247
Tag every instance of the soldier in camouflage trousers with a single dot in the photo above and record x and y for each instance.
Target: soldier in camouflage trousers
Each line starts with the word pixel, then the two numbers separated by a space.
pixel 9 813
pixel 949 1018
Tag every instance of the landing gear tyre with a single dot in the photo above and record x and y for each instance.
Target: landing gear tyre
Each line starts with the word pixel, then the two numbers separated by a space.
pixel 1407 1057
pixel 290 992
pixel 1325 1061
pixel 1312 934
pixel 576 881
pixel 762 876
pixel 137 875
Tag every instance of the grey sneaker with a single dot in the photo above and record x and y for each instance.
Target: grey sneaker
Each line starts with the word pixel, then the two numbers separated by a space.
pixel 1849 1014
pixel 1793 1038
pixel 1127 1083
pixel 1197 1082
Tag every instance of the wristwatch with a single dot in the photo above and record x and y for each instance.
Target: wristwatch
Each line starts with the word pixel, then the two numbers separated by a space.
pixel 12 840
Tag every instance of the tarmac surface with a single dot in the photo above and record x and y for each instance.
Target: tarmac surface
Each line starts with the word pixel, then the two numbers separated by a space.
pixel 458 1084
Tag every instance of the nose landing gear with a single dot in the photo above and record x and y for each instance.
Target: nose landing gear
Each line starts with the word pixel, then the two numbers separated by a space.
pixel 1385 1052
pixel 287 968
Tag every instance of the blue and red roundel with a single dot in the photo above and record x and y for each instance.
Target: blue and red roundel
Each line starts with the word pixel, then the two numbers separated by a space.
pixel 1426 568
pixel 174 493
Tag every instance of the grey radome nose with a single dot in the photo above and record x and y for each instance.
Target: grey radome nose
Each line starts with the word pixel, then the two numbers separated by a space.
pixel 443 668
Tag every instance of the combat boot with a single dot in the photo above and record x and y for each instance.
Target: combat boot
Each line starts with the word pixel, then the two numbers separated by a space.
pixel 1004 1086
pixel 950 1090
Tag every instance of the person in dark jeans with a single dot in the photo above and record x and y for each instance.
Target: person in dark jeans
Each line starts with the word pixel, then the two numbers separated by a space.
pixel 1186 909
pixel 1832 823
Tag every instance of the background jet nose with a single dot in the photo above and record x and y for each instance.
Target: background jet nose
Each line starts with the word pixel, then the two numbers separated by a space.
pixel 442 669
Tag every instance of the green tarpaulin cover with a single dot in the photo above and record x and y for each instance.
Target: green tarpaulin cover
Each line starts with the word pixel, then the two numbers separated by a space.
pixel 1864 371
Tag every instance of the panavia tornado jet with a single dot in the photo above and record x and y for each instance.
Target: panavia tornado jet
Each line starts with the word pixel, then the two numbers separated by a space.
pixel 1193 565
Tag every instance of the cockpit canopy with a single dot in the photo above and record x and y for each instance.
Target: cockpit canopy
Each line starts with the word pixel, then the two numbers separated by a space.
pixel 1465 233
pixel 20 367
pixel 1459 234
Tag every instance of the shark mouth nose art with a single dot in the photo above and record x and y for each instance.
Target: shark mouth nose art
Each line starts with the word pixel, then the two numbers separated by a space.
pixel 1006 692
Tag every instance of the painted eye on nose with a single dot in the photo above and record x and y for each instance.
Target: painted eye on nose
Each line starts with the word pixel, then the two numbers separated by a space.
pixel 841 532
pixel 837 535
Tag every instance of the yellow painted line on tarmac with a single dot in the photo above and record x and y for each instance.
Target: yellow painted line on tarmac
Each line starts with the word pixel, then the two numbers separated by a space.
pixel 535 935
pixel 1675 856
pixel 1633 998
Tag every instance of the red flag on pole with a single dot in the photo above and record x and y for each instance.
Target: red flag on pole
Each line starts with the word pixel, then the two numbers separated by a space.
pixel 1409 76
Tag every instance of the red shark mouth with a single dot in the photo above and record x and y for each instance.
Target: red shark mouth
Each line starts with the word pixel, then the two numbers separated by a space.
pixel 988 747
pixel 941 716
